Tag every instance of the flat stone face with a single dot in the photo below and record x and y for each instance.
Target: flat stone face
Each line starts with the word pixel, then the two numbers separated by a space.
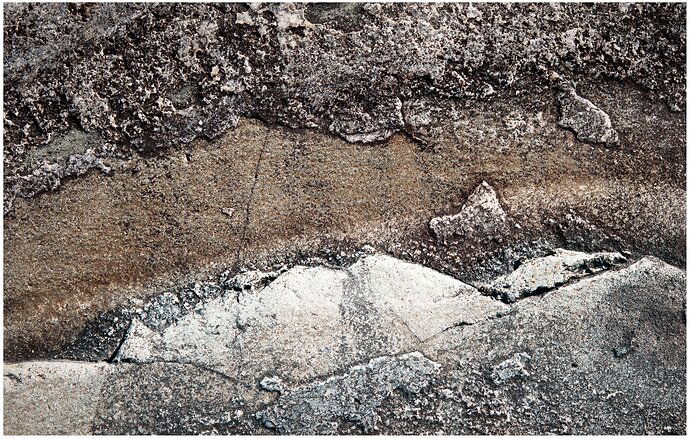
pixel 52 398
pixel 311 321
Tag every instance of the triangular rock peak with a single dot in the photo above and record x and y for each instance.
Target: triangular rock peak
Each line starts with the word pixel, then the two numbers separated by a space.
pixel 482 212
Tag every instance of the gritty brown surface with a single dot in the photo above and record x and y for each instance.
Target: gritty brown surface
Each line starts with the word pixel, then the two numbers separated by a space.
pixel 103 239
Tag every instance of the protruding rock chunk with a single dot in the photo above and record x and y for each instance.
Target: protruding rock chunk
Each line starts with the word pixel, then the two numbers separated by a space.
pixel 481 214
pixel 589 122
pixel 513 367
pixel 543 274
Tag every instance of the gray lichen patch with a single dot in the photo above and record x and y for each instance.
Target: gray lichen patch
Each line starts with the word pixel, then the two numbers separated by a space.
pixel 589 122
pixel 323 407
pixel 540 275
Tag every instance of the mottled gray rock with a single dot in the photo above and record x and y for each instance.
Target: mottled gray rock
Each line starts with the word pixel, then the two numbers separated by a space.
pixel 481 214
pixel 52 397
pixel 321 407
pixel 515 366
pixel 589 122
pixel 540 275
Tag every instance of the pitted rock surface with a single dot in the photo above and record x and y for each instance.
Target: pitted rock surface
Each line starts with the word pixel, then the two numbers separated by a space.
pixel 145 77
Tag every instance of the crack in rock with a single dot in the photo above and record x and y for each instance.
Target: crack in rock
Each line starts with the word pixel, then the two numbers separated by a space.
pixel 539 275
pixel 297 324
pixel 320 407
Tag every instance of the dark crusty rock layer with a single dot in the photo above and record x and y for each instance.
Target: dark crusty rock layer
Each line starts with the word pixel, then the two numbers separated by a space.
pixel 146 77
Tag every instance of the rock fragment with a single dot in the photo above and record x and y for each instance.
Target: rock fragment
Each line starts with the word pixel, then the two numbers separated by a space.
pixel 589 122
pixel 513 367
pixel 481 214
pixel 321 407
pixel 379 305
pixel 543 274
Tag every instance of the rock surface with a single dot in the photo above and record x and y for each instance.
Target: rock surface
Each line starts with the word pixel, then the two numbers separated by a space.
pixel 588 121
pixel 354 396
pixel 605 349
pixel 543 274
pixel 311 321
pixel 52 398
pixel 170 73
pixel 481 215
pixel 344 218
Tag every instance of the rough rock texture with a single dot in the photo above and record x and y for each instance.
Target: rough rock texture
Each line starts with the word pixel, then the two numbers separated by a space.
pixel 56 398
pixel 605 354
pixel 312 320
pixel 588 121
pixel 352 397
pixel 145 77
pixel 543 274
pixel 481 215
pixel 342 218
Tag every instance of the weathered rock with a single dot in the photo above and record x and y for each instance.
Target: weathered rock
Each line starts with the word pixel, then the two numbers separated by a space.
pixel 574 381
pixel 589 122
pixel 328 406
pixel 213 171
pixel 603 354
pixel 481 214
pixel 311 321
pixel 515 366
pixel 55 398
pixel 540 275
pixel 131 75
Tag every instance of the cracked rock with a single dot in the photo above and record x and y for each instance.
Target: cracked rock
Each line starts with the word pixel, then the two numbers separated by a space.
pixel 342 316
pixel 540 275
